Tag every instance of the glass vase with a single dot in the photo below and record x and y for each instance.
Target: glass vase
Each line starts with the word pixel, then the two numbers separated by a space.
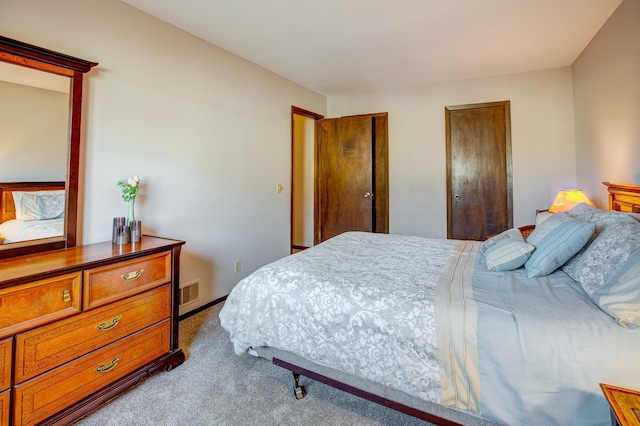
pixel 131 216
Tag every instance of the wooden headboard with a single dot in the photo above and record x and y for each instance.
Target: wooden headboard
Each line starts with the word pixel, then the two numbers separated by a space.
pixel 623 198
pixel 7 208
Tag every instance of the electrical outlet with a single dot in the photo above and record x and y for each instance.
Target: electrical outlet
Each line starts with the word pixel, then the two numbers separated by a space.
pixel 237 265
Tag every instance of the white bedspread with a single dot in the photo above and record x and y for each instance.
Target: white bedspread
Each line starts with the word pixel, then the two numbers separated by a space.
pixel 19 230
pixel 360 302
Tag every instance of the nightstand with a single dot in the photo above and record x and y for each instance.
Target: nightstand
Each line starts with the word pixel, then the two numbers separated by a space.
pixel 624 404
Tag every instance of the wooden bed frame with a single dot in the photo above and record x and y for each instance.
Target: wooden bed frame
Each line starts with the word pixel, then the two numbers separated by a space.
pixel 625 198
pixel 7 207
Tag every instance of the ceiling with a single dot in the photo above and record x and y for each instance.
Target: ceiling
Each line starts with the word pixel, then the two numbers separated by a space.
pixel 338 46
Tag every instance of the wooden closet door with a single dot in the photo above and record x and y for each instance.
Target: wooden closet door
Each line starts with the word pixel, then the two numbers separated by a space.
pixel 344 176
pixel 479 187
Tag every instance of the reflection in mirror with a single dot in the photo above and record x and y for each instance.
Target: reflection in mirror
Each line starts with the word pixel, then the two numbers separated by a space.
pixel 34 115
pixel 34 121
pixel 40 103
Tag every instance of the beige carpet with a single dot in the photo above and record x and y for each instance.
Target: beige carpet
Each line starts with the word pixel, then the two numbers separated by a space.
pixel 216 387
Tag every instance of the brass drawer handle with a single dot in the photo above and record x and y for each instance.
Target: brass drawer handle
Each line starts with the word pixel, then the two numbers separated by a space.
pixel 132 275
pixel 107 366
pixel 66 296
pixel 108 325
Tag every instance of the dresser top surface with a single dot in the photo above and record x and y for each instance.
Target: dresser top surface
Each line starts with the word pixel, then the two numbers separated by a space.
pixel 16 269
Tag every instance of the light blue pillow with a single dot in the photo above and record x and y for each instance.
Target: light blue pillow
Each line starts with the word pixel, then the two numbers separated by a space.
pixel 546 226
pixel 556 240
pixel 506 251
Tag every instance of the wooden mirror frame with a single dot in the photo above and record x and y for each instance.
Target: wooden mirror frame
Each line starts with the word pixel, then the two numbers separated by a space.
pixel 27 55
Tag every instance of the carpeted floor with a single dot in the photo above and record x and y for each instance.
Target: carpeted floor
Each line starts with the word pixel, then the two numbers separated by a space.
pixel 216 387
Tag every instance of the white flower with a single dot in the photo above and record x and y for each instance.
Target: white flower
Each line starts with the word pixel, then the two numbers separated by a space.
pixel 130 188
pixel 133 182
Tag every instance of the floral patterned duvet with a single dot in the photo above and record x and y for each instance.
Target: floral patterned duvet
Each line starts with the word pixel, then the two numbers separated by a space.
pixel 359 302
pixel 509 349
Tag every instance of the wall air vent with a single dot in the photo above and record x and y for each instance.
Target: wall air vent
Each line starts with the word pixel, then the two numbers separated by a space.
pixel 190 292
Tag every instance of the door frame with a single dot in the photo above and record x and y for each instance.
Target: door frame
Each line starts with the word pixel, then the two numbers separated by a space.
pixel 315 116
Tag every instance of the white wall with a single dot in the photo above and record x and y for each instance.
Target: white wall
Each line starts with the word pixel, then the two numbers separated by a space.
pixel 606 80
pixel 208 132
pixel 542 134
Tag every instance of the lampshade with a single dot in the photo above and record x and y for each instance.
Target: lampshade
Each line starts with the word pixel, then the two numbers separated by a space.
pixel 568 198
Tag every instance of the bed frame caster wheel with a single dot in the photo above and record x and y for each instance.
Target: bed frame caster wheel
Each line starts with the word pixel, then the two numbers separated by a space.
pixel 298 391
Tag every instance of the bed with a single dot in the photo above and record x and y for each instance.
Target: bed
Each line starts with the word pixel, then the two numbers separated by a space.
pixel 31 211
pixel 506 331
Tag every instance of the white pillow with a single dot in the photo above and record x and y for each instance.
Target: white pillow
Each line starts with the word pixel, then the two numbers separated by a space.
pixel 39 205
pixel 601 218
pixel 541 217
pixel 609 271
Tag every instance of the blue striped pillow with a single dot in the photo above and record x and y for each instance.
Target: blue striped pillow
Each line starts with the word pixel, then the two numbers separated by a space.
pixel 558 246
pixel 506 251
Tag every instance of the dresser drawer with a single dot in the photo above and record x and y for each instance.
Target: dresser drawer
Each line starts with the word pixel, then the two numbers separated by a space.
pixel 5 399
pixel 44 396
pixel 52 345
pixel 114 282
pixel 29 305
pixel 5 364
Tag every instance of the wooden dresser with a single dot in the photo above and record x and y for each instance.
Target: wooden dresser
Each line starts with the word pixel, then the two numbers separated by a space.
pixel 78 326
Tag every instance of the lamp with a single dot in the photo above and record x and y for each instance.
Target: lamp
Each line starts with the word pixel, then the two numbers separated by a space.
pixel 568 198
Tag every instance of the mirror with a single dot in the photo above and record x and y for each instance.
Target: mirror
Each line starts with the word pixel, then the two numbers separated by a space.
pixel 40 152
